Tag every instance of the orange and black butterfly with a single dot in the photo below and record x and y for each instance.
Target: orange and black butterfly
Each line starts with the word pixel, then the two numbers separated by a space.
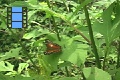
pixel 52 47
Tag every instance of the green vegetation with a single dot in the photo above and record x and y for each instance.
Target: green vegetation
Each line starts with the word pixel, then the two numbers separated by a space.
pixel 88 32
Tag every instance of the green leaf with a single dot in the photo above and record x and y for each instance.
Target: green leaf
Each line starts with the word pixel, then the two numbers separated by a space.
pixel 11 53
pixel 52 60
pixel 109 28
pixel 6 66
pixel 93 73
pixel 74 52
pixel 22 66
pixel 46 65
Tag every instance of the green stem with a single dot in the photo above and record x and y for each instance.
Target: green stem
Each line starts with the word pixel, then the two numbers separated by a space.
pixel 26 53
pixel 91 37
pixel 24 49
pixel 118 47
pixel 83 76
pixel 106 52
pixel 67 72
pixel 118 55
pixel 66 7
pixel 54 24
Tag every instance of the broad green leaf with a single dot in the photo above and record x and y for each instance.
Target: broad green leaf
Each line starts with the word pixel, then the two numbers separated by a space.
pixel 6 66
pixel 47 64
pixel 74 52
pixel 116 22
pixel 22 66
pixel 52 60
pixel 93 73
pixel 109 28
pixel 12 53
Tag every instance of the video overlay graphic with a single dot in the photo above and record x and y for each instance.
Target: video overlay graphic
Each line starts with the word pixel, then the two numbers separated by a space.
pixel 16 17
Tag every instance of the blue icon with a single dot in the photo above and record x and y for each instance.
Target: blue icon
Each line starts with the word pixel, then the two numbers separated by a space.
pixel 17 17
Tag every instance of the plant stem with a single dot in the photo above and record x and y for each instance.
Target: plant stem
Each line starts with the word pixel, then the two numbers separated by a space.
pixel 91 37
pixel 26 53
pixel 81 34
pixel 67 72
pixel 118 55
pixel 54 24
pixel 106 52
pixel 24 50
pixel 83 76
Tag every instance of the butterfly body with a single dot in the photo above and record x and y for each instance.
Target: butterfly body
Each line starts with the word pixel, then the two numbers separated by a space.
pixel 52 47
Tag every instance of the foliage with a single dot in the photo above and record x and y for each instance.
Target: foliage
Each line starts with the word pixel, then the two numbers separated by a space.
pixel 87 31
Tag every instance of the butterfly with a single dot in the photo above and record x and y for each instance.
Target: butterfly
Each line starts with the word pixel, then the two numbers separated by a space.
pixel 52 47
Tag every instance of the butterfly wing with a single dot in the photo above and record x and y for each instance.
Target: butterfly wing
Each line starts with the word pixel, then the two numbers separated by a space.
pixel 50 51
pixel 52 47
